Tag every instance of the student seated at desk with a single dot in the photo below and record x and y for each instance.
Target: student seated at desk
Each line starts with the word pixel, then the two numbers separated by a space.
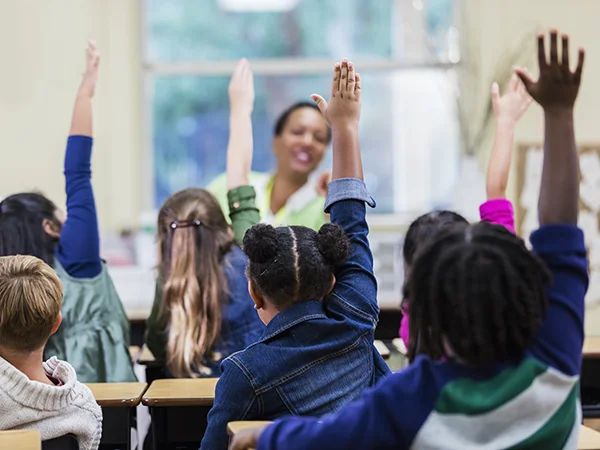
pixel 37 395
pixel 317 293
pixel 202 311
pixel 511 330
pixel 94 336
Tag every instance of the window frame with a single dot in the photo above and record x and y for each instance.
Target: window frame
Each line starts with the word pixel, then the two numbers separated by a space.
pixel 266 67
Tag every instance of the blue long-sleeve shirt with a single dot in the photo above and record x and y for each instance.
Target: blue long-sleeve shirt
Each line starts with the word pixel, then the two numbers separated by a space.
pixel 531 403
pixel 78 250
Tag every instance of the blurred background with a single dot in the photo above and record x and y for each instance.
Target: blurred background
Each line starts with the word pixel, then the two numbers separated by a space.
pixel 161 110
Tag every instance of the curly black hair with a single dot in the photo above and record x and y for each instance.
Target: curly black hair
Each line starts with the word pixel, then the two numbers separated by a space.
pixel 291 264
pixel 477 291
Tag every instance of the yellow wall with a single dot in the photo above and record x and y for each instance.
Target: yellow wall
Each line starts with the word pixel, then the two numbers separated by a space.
pixel 494 26
pixel 42 49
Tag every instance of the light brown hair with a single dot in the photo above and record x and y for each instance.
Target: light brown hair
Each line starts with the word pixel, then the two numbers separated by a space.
pixel 194 238
pixel 30 300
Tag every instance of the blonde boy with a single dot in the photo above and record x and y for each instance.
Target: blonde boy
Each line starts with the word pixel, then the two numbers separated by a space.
pixel 44 396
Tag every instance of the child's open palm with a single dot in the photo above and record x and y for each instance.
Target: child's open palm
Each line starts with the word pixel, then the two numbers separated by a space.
pixel 241 87
pixel 557 87
pixel 345 101
pixel 512 105
pixel 90 78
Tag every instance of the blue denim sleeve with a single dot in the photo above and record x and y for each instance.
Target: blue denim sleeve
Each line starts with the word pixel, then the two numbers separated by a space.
pixel 234 400
pixel 355 285
pixel 79 247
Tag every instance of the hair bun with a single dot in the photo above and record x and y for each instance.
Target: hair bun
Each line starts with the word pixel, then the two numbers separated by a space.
pixel 333 244
pixel 260 243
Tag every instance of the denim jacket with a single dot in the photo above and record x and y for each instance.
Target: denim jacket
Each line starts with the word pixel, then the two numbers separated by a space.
pixel 314 357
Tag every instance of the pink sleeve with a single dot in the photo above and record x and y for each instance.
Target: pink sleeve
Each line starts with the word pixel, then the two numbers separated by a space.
pixel 404 324
pixel 498 211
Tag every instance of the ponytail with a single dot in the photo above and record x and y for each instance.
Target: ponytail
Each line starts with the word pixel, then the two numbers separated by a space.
pixel 193 290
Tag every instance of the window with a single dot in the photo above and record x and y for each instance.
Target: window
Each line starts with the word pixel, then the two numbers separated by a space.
pixel 405 52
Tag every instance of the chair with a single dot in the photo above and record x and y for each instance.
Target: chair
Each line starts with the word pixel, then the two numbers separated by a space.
pixel 66 442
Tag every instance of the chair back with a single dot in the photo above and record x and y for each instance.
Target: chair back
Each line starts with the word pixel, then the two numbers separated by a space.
pixel 66 442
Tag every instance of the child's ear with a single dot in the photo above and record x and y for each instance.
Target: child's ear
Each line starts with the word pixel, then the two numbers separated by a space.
pixel 332 283
pixel 57 323
pixel 257 297
pixel 50 228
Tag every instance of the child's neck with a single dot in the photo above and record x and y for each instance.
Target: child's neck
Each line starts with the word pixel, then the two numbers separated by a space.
pixel 29 363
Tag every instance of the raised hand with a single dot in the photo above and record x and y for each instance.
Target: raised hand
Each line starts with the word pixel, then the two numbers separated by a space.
pixel 241 88
pixel 90 77
pixel 512 105
pixel 557 86
pixel 345 100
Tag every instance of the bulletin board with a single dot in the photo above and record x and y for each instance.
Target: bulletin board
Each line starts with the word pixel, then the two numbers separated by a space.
pixel 529 174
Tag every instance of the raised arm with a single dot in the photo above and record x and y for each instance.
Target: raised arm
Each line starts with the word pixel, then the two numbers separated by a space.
pixel 558 241
pixel 79 246
pixel 355 281
pixel 240 195
pixel 508 109
pixel 556 91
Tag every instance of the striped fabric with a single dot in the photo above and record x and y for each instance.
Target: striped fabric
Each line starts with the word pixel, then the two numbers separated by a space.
pixel 528 406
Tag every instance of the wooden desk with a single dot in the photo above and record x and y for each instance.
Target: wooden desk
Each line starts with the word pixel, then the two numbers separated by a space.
pixel 383 350
pixel 118 402
pixel 588 439
pixel 114 395
pixel 181 392
pixel 234 427
pixel 179 410
pixel 21 440
pixel 591 347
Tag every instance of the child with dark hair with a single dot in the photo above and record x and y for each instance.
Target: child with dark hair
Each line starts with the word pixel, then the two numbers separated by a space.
pixel 94 336
pixel 508 109
pixel 510 379
pixel 317 294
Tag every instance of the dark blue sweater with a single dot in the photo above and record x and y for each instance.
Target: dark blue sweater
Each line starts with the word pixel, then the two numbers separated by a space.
pixel 78 250
pixel 531 403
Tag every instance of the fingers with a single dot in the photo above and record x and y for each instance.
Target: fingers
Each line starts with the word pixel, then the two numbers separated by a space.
pixel 526 79
pixel 350 85
pixel 344 76
pixel 337 73
pixel 320 101
pixel 553 48
pixel 541 52
pixel 513 84
pixel 579 69
pixel 565 53
pixel 495 94
pixel 358 86
pixel 92 55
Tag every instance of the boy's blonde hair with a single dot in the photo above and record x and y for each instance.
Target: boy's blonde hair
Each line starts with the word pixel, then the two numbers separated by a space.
pixel 30 301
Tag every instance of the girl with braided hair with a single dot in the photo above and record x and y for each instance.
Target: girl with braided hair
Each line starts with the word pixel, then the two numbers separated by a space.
pixel 509 321
pixel 317 294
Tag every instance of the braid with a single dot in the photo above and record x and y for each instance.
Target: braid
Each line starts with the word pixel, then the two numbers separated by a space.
pixel 479 290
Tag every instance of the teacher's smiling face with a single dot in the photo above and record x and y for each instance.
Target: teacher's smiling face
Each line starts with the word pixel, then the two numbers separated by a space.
pixel 301 138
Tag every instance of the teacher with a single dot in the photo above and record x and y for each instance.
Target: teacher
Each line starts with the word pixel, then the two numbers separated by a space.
pixel 294 193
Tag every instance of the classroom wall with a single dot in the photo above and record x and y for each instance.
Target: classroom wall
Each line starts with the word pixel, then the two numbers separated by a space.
pixel 493 27
pixel 42 51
